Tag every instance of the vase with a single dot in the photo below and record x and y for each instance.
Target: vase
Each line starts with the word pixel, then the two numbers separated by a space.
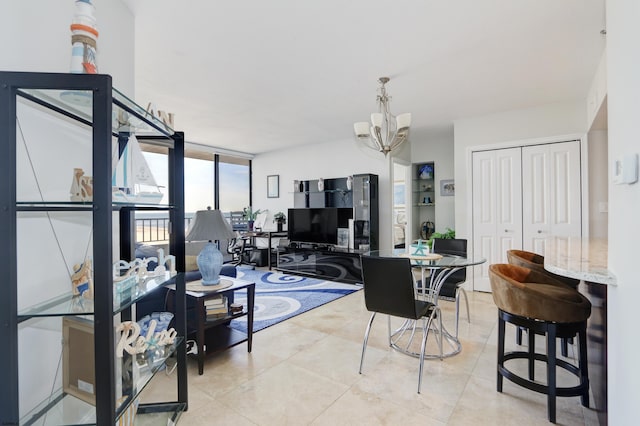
pixel 320 184
pixel 279 226
pixel 250 225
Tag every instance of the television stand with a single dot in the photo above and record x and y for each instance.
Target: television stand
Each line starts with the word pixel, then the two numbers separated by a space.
pixel 321 261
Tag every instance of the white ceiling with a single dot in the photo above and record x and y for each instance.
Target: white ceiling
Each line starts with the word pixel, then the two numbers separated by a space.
pixel 256 75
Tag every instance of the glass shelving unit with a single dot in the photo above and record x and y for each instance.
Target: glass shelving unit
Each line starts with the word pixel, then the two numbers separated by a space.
pixel 49 123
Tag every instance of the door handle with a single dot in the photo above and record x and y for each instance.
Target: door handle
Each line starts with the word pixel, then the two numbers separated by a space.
pixel 539 231
pixel 508 230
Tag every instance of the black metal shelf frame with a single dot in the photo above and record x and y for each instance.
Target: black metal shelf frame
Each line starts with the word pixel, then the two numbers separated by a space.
pixel 12 85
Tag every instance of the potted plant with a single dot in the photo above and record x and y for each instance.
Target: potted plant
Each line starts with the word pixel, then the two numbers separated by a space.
pixel 280 219
pixel 250 215
pixel 448 234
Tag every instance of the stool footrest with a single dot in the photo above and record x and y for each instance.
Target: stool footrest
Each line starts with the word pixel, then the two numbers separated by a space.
pixel 577 390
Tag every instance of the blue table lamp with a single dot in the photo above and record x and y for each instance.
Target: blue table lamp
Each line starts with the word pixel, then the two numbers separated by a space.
pixel 209 225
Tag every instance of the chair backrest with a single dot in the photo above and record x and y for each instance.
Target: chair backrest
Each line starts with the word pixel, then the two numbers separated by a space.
pixel 534 261
pixel 454 246
pixel 238 221
pixel 388 286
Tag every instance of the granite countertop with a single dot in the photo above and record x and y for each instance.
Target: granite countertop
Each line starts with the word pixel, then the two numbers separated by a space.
pixel 583 259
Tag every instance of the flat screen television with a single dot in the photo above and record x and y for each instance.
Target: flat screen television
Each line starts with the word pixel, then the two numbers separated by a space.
pixel 318 225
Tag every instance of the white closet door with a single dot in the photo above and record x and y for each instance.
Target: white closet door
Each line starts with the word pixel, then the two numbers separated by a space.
pixel 551 193
pixel 497 214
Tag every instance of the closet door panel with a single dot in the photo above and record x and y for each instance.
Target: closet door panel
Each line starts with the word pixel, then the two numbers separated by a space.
pixel 565 189
pixel 535 203
pixel 509 200
pixel 497 209
pixel 484 216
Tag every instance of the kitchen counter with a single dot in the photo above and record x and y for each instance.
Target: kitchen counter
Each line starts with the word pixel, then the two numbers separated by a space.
pixel 586 260
pixel 583 259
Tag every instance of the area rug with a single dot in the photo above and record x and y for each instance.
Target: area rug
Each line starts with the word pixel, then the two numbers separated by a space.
pixel 280 296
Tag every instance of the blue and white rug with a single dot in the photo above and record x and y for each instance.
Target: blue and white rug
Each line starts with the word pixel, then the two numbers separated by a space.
pixel 280 296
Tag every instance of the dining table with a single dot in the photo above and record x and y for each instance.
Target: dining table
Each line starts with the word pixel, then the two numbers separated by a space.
pixel 435 268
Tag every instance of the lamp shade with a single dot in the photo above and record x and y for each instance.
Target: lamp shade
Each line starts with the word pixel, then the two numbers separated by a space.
pixel 361 129
pixel 209 225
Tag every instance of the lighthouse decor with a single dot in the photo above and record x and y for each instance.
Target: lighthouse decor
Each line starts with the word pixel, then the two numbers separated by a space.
pixel 84 39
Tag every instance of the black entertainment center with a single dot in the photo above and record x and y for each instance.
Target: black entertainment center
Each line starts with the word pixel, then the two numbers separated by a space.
pixel 330 225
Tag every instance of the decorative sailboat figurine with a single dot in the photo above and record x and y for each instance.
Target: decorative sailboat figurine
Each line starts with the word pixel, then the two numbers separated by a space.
pixel 132 180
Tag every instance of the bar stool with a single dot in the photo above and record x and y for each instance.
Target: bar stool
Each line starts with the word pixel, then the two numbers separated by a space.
pixel 541 305
pixel 535 262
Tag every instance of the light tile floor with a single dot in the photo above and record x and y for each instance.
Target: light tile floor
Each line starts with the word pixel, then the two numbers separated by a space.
pixel 305 371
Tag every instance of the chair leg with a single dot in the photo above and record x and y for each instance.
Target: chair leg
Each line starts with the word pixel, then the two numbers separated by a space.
pixel 532 354
pixel 583 365
pixel 426 326
pixel 500 352
pixel 519 336
pixel 551 372
pixel 466 302
pixel 436 309
pixel 366 338
pixel 462 291
pixel 564 347
pixel 457 310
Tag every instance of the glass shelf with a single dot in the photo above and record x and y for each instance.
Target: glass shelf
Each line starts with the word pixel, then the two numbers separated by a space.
pixel 78 104
pixel 67 304
pixel 425 204
pixel 66 409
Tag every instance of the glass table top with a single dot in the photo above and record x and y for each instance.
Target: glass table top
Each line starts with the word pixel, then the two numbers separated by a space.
pixel 429 260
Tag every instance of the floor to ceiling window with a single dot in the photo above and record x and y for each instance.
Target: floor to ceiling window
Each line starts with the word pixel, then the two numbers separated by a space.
pixel 234 183
pixel 199 181
pixel 232 187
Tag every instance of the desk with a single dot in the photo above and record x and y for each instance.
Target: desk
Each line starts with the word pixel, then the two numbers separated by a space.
pixel 440 267
pixel 586 260
pixel 214 335
pixel 252 235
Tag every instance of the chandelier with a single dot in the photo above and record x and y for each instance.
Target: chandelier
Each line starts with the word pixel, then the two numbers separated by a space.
pixel 386 132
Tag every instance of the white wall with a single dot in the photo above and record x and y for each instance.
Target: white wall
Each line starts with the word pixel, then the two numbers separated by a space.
pixel 436 144
pixel 328 160
pixel 598 183
pixel 623 81
pixel 36 37
pixel 505 128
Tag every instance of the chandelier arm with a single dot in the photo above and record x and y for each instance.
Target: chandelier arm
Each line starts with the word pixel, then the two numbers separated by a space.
pixel 397 141
pixel 376 137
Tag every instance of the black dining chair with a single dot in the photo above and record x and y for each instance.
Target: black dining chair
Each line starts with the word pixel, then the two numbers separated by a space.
pixel 389 289
pixel 451 288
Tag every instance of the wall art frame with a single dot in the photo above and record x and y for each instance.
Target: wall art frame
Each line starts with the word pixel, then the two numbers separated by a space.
pixel 273 186
pixel 447 188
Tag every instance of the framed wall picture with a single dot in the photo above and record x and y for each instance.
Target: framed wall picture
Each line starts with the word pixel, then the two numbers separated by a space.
pixel 273 186
pixel 447 188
